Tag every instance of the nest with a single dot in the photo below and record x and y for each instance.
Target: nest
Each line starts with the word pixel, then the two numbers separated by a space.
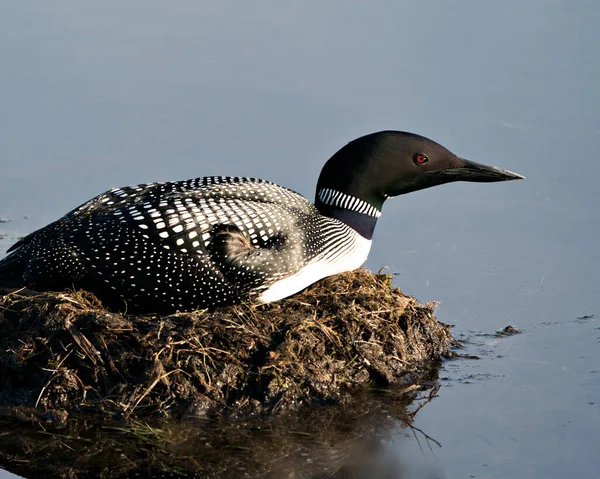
pixel 103 386
pixel 65 351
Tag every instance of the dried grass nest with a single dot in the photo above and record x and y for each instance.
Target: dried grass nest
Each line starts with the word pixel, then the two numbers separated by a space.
pixel 63 352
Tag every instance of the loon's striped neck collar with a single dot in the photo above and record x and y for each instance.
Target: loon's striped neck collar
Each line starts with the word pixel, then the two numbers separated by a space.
pixel 356 213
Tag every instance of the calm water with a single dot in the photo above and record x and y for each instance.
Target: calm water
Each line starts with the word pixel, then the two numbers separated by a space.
pixel 120 93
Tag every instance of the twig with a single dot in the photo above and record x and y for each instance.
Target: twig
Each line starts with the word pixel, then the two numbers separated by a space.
pixel 149 388
pixel 426 436
pixel 51 378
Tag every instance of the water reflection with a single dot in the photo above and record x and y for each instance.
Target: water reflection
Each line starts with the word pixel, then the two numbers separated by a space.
pixel 327 441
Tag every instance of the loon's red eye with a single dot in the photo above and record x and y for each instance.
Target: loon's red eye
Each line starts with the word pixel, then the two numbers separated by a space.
pixel 420 159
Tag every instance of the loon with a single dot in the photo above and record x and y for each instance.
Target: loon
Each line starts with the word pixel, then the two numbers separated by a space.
pixel 215 241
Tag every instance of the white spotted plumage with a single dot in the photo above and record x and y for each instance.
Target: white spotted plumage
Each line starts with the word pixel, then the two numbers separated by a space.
pixel 150 244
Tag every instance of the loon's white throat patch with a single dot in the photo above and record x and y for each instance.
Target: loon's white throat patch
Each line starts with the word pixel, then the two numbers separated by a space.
pixel 342 200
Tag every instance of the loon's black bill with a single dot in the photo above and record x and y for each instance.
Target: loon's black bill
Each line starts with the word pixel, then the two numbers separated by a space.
pixel 471 171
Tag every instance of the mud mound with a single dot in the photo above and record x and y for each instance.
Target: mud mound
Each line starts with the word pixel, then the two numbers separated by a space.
pixel 63 352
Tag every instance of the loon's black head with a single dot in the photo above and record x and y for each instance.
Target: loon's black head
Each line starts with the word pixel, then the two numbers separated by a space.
pixel 392 163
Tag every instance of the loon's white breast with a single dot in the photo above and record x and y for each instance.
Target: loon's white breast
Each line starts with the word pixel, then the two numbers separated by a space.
pixel 352 256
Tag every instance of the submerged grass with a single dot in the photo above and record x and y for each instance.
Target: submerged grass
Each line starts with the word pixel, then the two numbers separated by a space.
pixel 326 441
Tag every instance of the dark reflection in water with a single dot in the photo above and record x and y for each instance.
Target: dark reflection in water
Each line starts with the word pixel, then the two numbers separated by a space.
pixel 330 441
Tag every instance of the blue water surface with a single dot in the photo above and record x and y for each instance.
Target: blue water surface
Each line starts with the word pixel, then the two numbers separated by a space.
pixel 96 95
